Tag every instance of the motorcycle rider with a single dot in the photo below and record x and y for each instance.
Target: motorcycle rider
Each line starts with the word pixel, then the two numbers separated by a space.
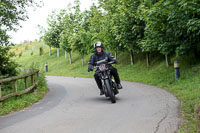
pixel 100 55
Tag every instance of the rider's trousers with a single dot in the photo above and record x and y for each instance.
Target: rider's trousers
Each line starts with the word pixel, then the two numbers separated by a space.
pixel 113 72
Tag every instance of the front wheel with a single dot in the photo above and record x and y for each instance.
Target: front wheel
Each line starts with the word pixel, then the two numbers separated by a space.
pixel 110 91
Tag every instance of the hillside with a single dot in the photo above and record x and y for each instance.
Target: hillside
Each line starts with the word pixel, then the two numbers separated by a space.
pixel 187 89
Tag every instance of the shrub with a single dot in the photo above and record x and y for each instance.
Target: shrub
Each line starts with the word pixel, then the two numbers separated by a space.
pixel 7 66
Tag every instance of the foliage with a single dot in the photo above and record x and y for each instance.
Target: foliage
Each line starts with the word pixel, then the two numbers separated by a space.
pixel 81 39
pixel 95 24
pixel 56 26
pixel 7 66
pixel 11 13
pixel 171 26
pixel 22 101
pixel 166 26
pixel 66 33
pixel 110 24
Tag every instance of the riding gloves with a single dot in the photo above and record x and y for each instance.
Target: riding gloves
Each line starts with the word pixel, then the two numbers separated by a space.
pixel 90 68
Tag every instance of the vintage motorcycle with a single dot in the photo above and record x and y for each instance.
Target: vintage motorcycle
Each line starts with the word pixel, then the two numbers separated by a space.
pixel 109 85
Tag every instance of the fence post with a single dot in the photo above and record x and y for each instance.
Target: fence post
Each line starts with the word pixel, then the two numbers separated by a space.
pixel 15 85
pixel 46 67
pixel 25 81
pixel 0 91
pixel 13 80
pixel 0 97
pixel 37 75
pixel 32 79
pixel 176 70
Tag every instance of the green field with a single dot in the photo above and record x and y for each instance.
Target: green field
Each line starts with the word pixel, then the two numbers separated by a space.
pixel 187 89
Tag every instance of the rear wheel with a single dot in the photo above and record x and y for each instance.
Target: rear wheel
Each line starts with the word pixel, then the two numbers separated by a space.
pixel 110 91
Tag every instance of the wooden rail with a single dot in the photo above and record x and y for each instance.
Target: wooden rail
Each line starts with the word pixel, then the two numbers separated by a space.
pixel 34 83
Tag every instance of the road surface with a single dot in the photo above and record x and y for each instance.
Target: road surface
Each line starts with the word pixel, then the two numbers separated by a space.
pixel 73 105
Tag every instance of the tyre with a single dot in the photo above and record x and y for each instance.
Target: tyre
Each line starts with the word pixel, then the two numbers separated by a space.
pixel 115 89
pixel 110 91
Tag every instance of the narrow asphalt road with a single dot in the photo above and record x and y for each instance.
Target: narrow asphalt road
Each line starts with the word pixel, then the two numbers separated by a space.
pixel 73 105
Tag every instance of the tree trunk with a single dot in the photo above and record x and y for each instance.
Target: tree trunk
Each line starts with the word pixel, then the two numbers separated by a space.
pixel 49 51
pixel 167 60
pixel 132 58
pixel 70 58
pixel 197 52
pixel 65 54
pixel 58 52
pixel 115 54
pixel 147 57
pixel 82 60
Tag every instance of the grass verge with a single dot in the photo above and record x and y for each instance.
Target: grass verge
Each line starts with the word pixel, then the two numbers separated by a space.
pixel 20 102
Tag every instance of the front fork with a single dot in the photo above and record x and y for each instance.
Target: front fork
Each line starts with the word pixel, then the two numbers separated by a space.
pixel 115 88
pixel 112 83
pixel 104 76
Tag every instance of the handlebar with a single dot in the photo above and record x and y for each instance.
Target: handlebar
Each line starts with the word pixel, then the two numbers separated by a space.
pixel 101 62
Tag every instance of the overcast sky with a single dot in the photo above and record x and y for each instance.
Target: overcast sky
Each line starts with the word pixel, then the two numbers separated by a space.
pixel 29 30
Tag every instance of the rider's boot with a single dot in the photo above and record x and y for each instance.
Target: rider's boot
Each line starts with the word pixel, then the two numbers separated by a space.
pixel 119 86
pixel 101 91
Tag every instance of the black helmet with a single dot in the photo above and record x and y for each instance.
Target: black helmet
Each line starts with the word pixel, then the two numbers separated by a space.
pixel 98 44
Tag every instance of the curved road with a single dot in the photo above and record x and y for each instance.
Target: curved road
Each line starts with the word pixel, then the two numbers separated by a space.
pixel 73 105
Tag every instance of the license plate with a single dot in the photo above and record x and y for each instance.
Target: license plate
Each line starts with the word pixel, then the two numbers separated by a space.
pixel 102 67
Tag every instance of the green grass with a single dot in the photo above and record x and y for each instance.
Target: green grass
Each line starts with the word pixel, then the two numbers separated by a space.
pixel 20 102
pixel 187 89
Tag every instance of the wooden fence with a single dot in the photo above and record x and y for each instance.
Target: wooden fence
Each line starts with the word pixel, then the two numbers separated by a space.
pixel 34 83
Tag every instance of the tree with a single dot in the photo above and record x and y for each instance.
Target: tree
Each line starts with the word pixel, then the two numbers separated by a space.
pixel 127 27
pixel 148 44
pixel 7 66
pixel 11 13
pixel 65 35
pixel 81 39
pixel 71 24
pixel 110 24
pixel 131 27
pixel 95 22
pixel 80 43
pixel 172 27
pixel 56 27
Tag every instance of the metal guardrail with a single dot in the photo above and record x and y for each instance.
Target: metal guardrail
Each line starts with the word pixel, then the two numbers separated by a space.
pixel 34 83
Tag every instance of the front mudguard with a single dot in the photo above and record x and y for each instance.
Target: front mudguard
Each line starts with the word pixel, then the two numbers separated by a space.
pixel 114 86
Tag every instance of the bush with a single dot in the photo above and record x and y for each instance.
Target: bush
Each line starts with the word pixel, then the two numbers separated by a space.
pixel 7 66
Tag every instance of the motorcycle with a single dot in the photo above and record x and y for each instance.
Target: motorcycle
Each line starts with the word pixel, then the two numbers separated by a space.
pixel 109 85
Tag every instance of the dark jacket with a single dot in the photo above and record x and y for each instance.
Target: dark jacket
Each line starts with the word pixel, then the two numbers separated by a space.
pixel 97 57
